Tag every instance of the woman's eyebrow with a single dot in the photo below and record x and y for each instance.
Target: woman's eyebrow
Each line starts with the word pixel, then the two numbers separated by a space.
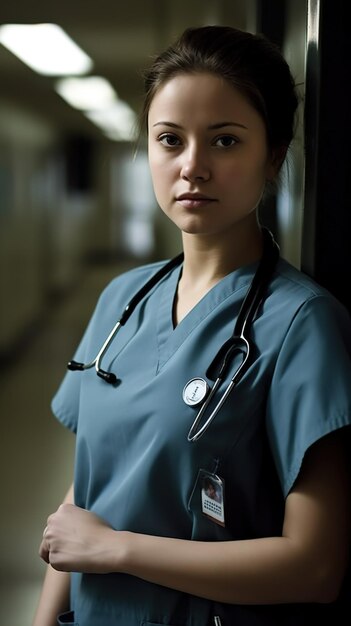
pixel 171 124
pixel 211 127
pixel 223 124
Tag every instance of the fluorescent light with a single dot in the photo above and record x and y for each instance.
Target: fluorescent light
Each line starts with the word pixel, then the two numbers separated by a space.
pixel 45 48
pixel 91 92
pixel 118 121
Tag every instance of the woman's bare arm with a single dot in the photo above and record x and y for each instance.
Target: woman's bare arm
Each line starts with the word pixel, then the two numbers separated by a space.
pixel 306 564
pixel 54 597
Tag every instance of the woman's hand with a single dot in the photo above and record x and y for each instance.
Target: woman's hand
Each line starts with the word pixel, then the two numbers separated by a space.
pixel 76 540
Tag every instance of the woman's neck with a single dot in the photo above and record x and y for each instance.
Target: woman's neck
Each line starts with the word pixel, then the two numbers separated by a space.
pixel 206 262
pixel 205 265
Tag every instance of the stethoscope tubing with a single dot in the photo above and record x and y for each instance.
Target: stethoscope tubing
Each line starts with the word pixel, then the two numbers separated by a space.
pixel 238 342
pixel 195 433
pixel 110 377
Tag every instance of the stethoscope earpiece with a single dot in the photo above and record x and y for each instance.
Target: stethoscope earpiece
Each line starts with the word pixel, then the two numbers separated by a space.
pixel 74 366
pixel 108 377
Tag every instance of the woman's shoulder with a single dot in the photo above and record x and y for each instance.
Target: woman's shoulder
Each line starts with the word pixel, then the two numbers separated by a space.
pixel 128 282
pixel 297 296
pixel 300 284
pixel 138 273
pixel 298 287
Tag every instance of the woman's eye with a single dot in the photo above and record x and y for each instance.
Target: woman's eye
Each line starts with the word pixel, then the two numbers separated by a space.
pixel 169 140
pixel 225 141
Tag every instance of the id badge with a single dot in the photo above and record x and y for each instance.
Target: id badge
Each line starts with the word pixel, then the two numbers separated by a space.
pixel 212 497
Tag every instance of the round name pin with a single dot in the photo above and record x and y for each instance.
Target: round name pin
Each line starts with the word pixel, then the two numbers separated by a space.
pixel 195 391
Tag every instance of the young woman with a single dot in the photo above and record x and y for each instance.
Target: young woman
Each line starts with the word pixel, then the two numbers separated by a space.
pixel 144 542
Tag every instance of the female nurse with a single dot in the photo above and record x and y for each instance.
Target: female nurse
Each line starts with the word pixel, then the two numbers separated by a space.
pixel 137 541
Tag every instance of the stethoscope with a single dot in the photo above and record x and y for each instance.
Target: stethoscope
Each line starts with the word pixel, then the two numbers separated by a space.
pixel 197 391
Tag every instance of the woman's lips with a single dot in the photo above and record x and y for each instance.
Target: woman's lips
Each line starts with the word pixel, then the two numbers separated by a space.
pixel 194 201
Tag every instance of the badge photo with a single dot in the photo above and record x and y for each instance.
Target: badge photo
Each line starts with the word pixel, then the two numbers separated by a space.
pixel 212 498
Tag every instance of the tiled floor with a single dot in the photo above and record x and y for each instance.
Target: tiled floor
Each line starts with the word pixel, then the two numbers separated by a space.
pixel 36 458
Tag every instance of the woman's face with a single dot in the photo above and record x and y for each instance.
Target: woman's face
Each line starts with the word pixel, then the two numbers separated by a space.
pixel 208 154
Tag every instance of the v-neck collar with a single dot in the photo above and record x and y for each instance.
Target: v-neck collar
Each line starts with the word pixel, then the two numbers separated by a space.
pixel 170 338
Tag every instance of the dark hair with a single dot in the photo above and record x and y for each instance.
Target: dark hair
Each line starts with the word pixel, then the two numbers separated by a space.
pixel 251 63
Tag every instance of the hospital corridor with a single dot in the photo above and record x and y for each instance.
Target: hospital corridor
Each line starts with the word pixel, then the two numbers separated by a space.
pixel 37 459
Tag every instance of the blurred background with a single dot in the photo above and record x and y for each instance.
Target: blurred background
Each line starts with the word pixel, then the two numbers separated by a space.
pixel 77 208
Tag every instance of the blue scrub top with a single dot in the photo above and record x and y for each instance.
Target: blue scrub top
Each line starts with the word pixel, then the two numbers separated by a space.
pixel 134 465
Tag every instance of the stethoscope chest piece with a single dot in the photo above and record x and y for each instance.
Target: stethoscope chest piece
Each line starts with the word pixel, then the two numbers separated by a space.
pixel 195 391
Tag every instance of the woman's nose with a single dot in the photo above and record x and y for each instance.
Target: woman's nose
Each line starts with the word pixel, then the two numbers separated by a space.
pixel 195 166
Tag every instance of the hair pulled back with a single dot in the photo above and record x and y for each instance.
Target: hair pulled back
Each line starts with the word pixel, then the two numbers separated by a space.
pixel 250 63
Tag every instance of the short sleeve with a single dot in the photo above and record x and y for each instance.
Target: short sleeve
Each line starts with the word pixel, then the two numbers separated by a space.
pixel 310 393
pixel 66 402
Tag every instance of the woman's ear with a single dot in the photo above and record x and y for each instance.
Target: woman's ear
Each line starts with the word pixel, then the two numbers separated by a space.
pixel 276 161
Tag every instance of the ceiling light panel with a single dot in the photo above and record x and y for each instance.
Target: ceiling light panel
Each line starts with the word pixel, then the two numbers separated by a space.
pixel 91 92
pixel 45 48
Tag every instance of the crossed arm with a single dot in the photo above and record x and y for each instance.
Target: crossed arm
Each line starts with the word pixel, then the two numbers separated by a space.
pixel 306 564
pixel 54 597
